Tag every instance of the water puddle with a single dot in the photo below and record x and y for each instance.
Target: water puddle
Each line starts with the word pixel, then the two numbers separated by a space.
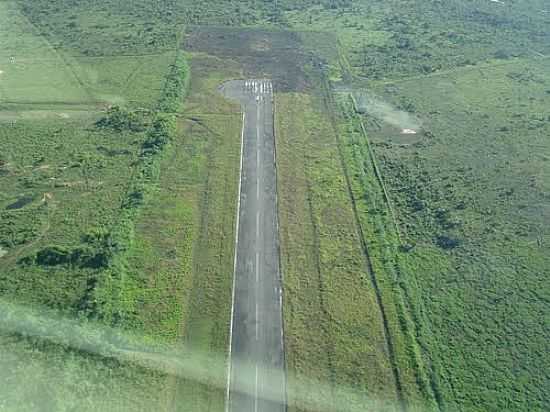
pixel 20 203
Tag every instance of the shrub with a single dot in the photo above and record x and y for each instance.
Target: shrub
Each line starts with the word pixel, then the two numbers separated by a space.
pixel 447 242
pixel 120 119
pixel 53 256
pixel 159 135
pixel 175 87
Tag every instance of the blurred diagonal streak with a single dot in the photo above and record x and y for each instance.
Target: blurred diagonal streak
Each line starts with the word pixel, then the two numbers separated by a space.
pixel 112 343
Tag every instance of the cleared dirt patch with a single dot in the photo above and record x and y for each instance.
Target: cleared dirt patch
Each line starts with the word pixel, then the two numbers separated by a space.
pixel 275 54
pixel 384 133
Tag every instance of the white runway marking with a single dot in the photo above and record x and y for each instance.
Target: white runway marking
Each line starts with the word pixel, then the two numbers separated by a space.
pixel 257 228
pixel 256 392
pixel 257 319
pixel 257 267
pixel 235 267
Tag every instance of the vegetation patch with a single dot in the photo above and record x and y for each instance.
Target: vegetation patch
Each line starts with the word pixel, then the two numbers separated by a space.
pixel 473 211
pixel 332 319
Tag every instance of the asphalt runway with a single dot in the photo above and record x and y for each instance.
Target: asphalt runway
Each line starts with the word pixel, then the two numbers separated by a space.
pixel 256 378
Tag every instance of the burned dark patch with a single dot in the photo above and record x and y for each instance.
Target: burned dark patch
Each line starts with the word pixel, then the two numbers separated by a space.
pixel 276 54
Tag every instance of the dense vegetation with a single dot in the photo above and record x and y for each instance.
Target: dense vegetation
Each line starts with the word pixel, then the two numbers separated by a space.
pixel 473 211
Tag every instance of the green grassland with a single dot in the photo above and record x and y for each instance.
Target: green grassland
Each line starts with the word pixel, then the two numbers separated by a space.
pixel 71 187
pixel 121 217
pixel 66 181
pixel 106 27
pixel 36 74
pixel 479 178
pixel 62 168
pixel 396 39
pixel 135 81
pixel 185 235
pixel 31 69
pixel 332 320
pixel 454 218
pixel 62 190
pixel 74 189
pixel 41 376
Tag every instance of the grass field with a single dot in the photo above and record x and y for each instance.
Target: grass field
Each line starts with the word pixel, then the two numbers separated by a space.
pixel 471 196
pixel 332 321
pixel 453 217
pixel 62 187
pixel 107 27
pixel 35 73
pixel 32 70
pixel 161 233
pixel 184 237
pixel 385 39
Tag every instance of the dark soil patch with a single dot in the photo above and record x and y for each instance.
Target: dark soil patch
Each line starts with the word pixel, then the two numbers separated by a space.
pixel 275 54
pixel 20 203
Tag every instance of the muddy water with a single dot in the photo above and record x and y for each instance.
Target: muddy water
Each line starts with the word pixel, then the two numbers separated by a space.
pixel 20 203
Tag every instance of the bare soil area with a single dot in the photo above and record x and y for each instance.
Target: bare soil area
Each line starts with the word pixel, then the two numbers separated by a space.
pixel 276 54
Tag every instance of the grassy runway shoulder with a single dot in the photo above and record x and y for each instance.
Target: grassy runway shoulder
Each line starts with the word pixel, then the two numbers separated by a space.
pixel 336 349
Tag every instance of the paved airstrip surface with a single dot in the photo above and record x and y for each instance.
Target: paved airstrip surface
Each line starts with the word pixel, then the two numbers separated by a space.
pixel 257 380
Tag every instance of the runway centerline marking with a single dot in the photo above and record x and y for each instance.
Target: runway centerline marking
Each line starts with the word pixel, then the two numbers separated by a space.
pixel 257 317
pixel 258 226
pixel 257 266
pixel 256 391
